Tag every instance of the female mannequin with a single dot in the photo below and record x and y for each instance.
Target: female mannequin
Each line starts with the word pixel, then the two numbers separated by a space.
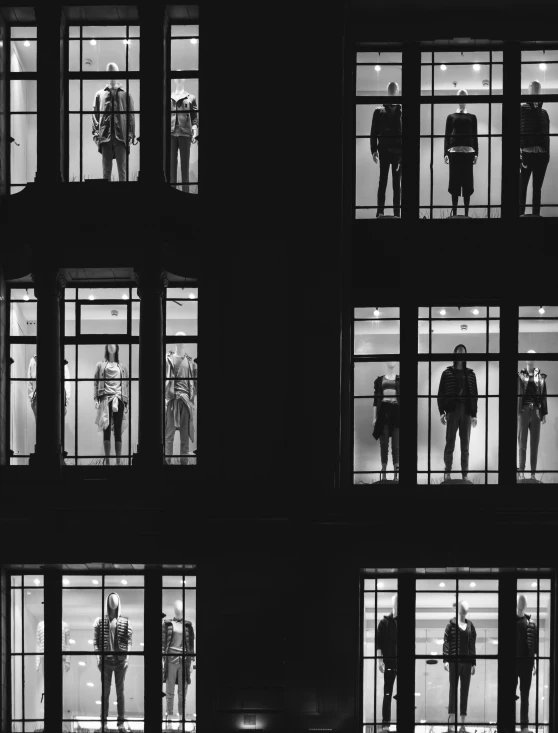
pixel 461 149
pixel 386 417
pixel 532 409
pixel 110 392
pixel 460 659
pixel 184 130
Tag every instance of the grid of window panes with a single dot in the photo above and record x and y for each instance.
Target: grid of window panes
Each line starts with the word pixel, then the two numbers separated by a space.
pixel 537 394
pixel 23 106
pixel 180 383
pixel 103 665
pixel 23 372
pixel 452 421
pixel 456 657
pixel 100 110
pixel 376 347
pixel 474 175
pixel 183 110
pixel 538 166
pixel 378 146
pixel 101 332
pixel 179 652
pixel 27 652
pixel 533 654
pixel 379 662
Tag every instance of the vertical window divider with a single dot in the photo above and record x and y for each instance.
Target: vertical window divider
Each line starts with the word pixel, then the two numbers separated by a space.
pixel 486 388
pixel 80 110
pixel 432 140
pixel 489 130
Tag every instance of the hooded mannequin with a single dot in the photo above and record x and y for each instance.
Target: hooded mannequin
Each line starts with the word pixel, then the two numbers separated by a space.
pixel 461 149
pixel 532 409
pixel 180 394
pixel 113 124
pixel 184 131
pixel 112 639
pixel 386 147
pixel 460 658
pixel 535 148
pixel 386 417
pixel 526 649
pixel 386 651
pixel 178 641
pixel 110 392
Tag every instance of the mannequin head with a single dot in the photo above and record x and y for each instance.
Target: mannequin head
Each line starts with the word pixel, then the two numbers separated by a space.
pixel 530 360
pixel 113 604
pixel 178 609
pixel 111 352
pixel 463 608
pixel 179 347
pixel 521 603
pixel 394 605
pixel 535 87
pixel 112 70
pixel 393 89
pixel 460 349
pixel 462 94
pixel 391 365
pixel 179 83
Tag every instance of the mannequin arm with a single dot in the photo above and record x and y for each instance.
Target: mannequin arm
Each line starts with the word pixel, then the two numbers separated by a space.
pixel 374 133
pixel 475 136
pixel 31 383
pixel 67 384
pixel 96 118
pixel 131 120
pixel 194 113
pixel 447 136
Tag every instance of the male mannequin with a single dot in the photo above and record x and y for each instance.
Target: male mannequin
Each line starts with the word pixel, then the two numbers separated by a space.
pixel 32 385
pixel 526 648
pixel 178 640
pixel 113 124
pixel 40 647
pixel 461 149
pixel 111 397
pixel 386 650
pixel 386 417
pixel 184 131
pixel 535 148
pixel 460 659
pixel 112 635
pixel 457 403
pixel 180 394
pixel 386 146
pixel 532 409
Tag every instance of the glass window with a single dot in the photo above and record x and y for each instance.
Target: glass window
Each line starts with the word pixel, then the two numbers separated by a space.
pixel 101 378
pixel 103 678
pixel 183 110
pixel 23 106
pixel 181 375
pixel 538 132
pixel 179 652
pixel 461 137
pixel 379 142
pixel 104 109
pixel 459 399
pixel 376 390
pixel 537 395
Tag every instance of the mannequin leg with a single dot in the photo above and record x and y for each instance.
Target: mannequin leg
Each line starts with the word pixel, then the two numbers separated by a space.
pixel 466 200
pixel 454 203
pixel 118 417
pixel 389 681
pixel 184 144
pixel 522 433
pixel 184 436
pixel 106 155
pixel 464 438
pixel 524 176
pixel 465 678
pixel 121 154
pixel 395 451
pixel 382 183
pixel 451 433
pixel 535 429
pixel 539 171
pixel 173 159
pixel 172 673
pixel 169 431
pixel 384 449
pixel 396 182
pixel 525 674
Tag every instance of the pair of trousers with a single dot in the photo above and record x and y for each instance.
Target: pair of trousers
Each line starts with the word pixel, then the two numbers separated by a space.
pixel 114 149
pixel 180 143
pixel 389 681
pixel 460 420
pixel 176 676
pixel 117 418
pixel 536 164
pixel 524 672
pixel 390 159
pixel 184 429
pixel 528 421
pixel 459 671
pixel 117 667
pixel 384 444
pixel 461 181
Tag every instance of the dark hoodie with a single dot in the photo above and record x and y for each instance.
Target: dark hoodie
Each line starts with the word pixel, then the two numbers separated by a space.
pixel 451 642
pixel 386 640
pixel 447 391
pixel 386 130
pixel 122 631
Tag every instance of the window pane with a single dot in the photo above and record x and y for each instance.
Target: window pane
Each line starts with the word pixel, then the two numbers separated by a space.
pixel 373 77
pixel 541 67
pixel 184 54
pixel 538 334
pixel 23 95
pixel 185 30
pixel 182 317
pixel 27 31
pixel 109 318
pixel 379 336
pixel 23 55
pixel 23 156
pixel 23 318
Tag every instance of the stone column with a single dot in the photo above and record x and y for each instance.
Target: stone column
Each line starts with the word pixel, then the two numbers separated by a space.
pixel 49 287
pixel 151 284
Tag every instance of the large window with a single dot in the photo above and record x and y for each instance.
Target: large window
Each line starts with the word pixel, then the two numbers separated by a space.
pixel 23 106
pixel 104 102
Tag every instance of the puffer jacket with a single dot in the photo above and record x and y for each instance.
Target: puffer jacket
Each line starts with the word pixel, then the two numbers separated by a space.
pixel 386 640
pixel 447 391
pixel 99 383
pixel 188 638
pixel 451 642
pixel 534 126
pixel 528 634
pixel 101 631
pixel 540 385
pixel 119 108
pixel 184 115
pixel 386 129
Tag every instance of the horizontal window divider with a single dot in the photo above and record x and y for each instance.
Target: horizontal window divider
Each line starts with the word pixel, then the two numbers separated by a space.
pixel 453 99
pixel 101 76
pixel 430 64
pixel 482 356
pixel 22 76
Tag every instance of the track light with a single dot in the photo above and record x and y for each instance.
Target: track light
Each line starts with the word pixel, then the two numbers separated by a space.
pixel 378 67
pixel 26 43
pixel 443 312
pixel 93 42
pixel 542 67
pixel 124 296
pixel 91 296
pixel 193 41
pixel 476 67
pixel 542 311
pixel 376 312
pixel 475 311
pixel 443 67
pixel 26 296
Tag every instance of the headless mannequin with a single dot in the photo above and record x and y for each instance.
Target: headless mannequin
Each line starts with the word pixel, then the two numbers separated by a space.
pixel 179 359
pixel 530 368
pixel 106 443
pixel 388 679
pixel 463 610
pixel 454 197
pixel 180 141
pixel 389 396
pixel 178 609
pixel 521 608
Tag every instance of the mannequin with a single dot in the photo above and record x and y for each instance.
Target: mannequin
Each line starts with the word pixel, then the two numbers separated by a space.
pixel 461 149
pixel 113 124
pixel 32 385
pixel 40 647
pixel 526 649
pixel 110 392
pixel 535 148
pixel 457 403
pixel 460 640
pixel 386 146
pixel 178 640
pixel 180 395
pixel 184 131
pixel 386 417
pixel 532 409
pixel 112 635
pixel 386 650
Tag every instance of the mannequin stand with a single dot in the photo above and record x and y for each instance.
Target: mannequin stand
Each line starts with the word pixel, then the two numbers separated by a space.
pixel 459 216
pixel 530 216
pixel 529 481
pixel 387 216
pixel 457 481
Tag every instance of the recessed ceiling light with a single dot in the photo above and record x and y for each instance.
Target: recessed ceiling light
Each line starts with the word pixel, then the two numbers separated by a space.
pixel 380 584
pixel 193 41
pixel 95 581
pixel 476 67
pixel 192 296
pixel 97 702
pixel 542 311
pixel 93 42
pixel 37 581
pixel 378 67
pixel 534 585
pixel 443 67
pixel 542 67
pixel 475 311
pixel 26 296
pixel 26 43
pixel 472 584
pixel 72 641
pixel 90 641
pixel 417 694
pixel 442 585
pixel 81 664
pixel 91 296
pixel 127 42
pixel 65 581
pixel 124 581
pixel 124 296
pixel 443 312
pixel 90 684
pixel 376 312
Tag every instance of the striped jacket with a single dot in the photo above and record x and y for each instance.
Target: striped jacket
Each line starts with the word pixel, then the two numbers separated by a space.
pixel 451 642
pixel 534 126
pixel 188 640
pixel 531 634
pixel 447 392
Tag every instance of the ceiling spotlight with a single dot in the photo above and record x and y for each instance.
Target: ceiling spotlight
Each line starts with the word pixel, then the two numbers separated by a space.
pixel 443 67
pixel 93 42
pixel 95 582
pixel 81 664
pixel 534 584
pixel 72 641
pixel 542 67
pixel 97 702
pixel 90 684
pixel 380 584
pixel 475 311
pixel 28 43
pixel 124 581
pixel 472 585
pixel 193 41
pixel 376 312
pixel 124 296
pixel 542 311
pixel 442 585
pixel 26 296
pixel 192 296
pixel 443 312
pixel 90 641
pixel 127 42
pixel 37 581
pixel 65 581
pixel 476 67
pixel 378 67
pixel 91 296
